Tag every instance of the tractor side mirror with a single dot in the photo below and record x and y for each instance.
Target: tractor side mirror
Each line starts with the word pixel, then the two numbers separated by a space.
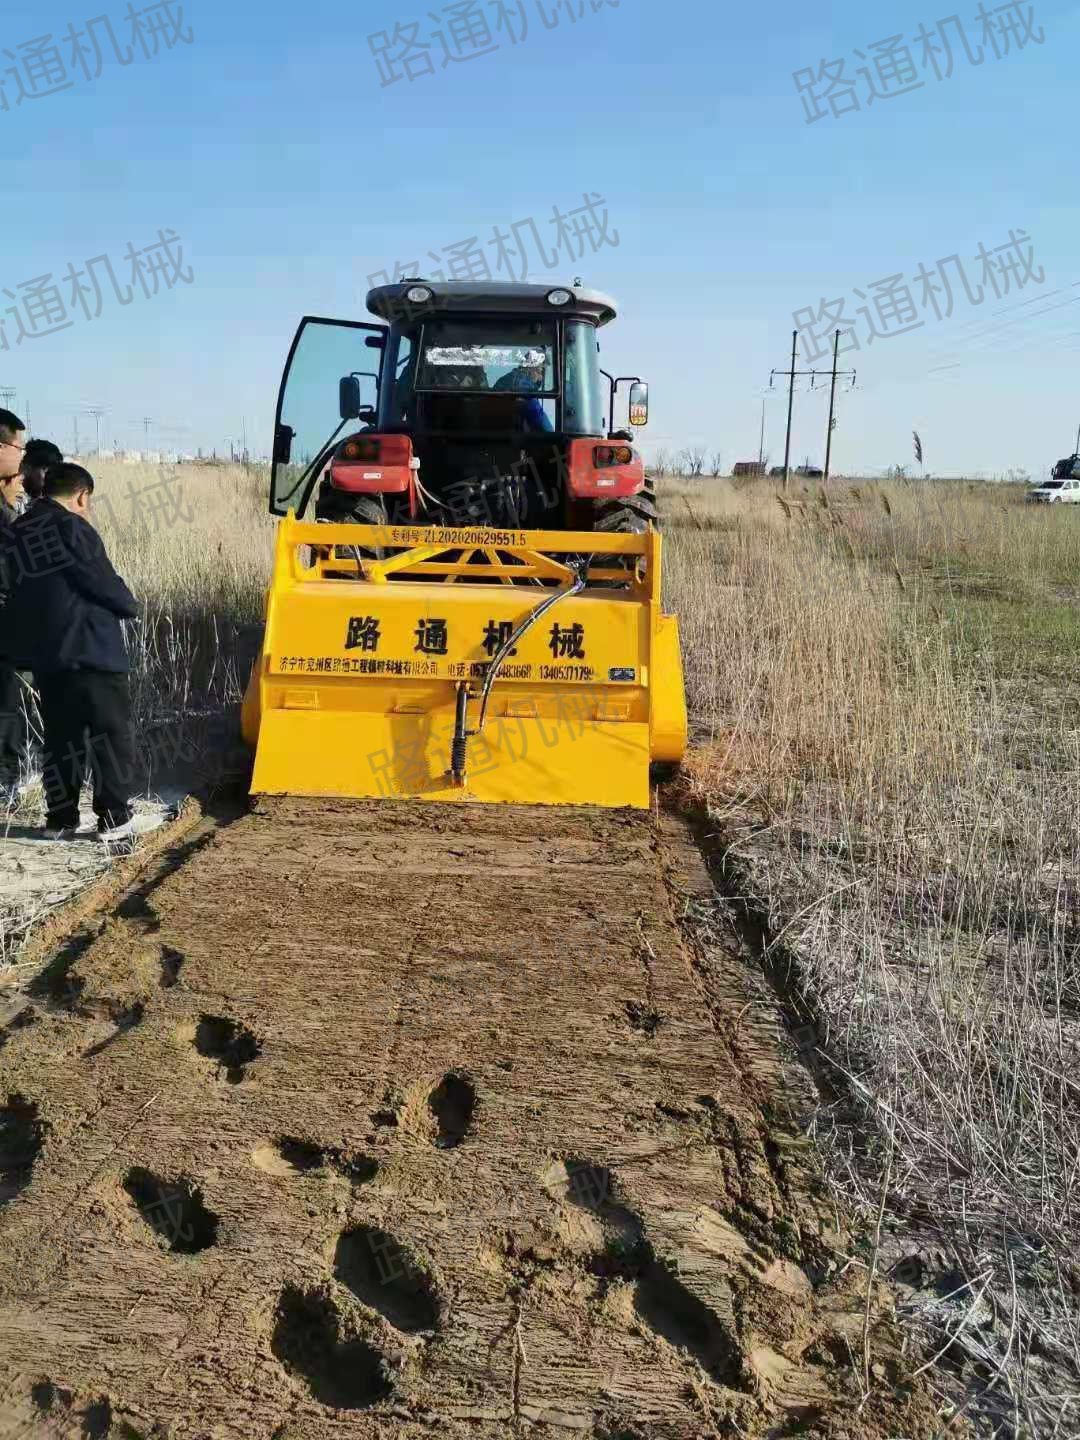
pixel 639 403
pixel 349 397
pixel 283 438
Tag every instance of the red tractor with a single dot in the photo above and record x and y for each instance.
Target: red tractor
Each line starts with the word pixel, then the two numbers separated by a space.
pixel 485 405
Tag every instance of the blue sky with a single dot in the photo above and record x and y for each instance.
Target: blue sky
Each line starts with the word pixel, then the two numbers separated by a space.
pixel 290 174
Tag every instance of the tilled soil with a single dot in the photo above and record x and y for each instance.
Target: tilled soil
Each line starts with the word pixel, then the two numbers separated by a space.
pixel 361 1120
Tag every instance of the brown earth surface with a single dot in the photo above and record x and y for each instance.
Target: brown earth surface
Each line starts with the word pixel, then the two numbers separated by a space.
pixel 355 1120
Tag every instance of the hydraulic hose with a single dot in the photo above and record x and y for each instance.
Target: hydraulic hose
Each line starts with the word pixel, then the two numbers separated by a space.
pixel 580 566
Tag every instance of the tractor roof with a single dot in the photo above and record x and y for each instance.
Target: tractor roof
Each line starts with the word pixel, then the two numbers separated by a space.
pixel 492 298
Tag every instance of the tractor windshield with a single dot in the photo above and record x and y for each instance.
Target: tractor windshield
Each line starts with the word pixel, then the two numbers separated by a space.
pixel 503 355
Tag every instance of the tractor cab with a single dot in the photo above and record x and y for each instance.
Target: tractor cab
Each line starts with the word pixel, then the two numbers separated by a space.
pixel 466 405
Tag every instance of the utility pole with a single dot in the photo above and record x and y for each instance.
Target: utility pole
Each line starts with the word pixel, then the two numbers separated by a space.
pixel 7 396
pixel 791 373
pixel 147 421
pixel 832 401
pixel 97 411
pixel 761 443
pixel 75 422
pixel 790 406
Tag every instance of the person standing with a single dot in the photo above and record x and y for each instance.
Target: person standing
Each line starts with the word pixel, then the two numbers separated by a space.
pixel 66 606
pixel 38 458
pixel 12 720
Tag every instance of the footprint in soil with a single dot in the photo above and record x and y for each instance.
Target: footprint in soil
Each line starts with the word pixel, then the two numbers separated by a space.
pixel 661 1299
pixel 290 1156
pixel 451 1104
pixel 24 1016
pixel 232 1045
pixel 334 1352
pixel 174 1210
pixel 124 1021
pixel 65 1415
pixel 21 1137
pixel 344 1373
pixel 171 964
pixel 387 1277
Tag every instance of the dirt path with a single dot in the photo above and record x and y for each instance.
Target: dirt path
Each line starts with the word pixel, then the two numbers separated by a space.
pixel 382 1120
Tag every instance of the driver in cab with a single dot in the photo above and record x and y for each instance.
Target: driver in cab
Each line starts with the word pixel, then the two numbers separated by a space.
pixel 529 375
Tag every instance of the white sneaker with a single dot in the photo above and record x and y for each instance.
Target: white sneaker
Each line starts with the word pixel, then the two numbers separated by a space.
pixel 137 825
pixel 61 832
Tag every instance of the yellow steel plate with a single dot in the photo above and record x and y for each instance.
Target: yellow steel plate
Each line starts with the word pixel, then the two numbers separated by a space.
pixel 401 756
pixel 437 632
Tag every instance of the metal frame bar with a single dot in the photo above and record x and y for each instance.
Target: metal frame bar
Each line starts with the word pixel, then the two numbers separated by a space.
pixel 532 559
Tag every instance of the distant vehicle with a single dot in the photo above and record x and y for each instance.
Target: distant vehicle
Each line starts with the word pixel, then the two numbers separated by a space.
pixel 749 467
pixel 808 472
pixel 1067 469
pixel 1054 492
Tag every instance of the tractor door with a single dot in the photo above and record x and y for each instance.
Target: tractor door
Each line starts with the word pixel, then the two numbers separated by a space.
pixel 330 389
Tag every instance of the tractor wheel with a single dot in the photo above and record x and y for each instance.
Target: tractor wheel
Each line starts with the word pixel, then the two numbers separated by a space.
pixel 631 515
pixel 365 510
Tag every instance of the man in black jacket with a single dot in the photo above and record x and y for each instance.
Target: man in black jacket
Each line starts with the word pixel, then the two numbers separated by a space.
pixel 63 622
pixel 12 728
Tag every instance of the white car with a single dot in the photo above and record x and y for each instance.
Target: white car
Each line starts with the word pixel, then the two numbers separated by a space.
pixel 1054 492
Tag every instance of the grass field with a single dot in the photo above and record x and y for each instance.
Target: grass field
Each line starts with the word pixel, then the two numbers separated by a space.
pixel 884 690
pixel 884 694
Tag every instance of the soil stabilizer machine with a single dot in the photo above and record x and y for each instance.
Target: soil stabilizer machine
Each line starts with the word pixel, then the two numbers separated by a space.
pixel 472 612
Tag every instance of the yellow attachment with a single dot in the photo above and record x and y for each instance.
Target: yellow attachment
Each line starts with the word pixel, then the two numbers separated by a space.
pixel 367 665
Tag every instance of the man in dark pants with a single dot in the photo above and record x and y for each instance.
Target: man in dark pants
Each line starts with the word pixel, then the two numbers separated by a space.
pixel 66 605
pixel 12 729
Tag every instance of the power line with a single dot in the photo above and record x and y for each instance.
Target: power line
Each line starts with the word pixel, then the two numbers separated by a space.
pixel 792 373
pixel 97 411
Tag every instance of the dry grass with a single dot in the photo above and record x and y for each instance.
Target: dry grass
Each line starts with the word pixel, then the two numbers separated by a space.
pixel 194 544
pixel 883 685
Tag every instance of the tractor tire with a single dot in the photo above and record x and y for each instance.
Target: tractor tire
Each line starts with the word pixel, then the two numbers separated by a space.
pixel 366 510
pixel 630 515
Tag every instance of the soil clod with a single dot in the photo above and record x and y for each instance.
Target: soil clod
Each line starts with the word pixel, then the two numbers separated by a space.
pixel 382 1274
pixel 644 1018
pixel 347 1375
pixel 228 1042
pixel 173 1209
pixel 452 1103
pixel 21 1135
